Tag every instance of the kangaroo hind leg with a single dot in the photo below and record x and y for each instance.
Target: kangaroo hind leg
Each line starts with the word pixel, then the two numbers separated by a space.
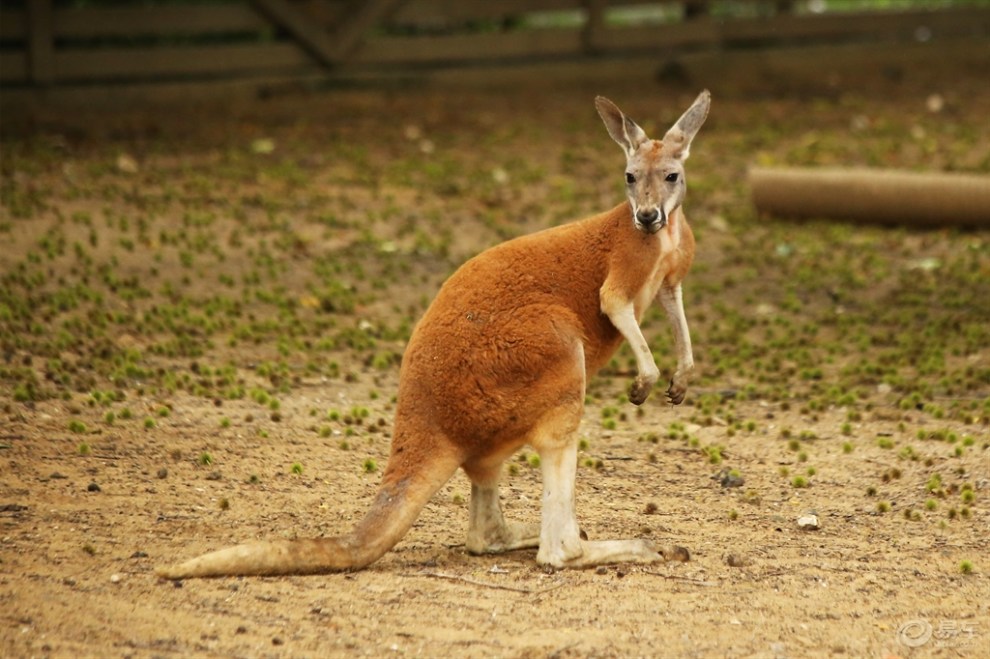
pixel 488 532
pixel 560 536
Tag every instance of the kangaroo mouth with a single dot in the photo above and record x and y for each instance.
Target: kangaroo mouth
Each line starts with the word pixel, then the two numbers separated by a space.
pixel 651 228
pixel 650 222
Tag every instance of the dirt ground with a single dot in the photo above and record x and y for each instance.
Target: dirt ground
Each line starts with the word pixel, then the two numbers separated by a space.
pixel 203 310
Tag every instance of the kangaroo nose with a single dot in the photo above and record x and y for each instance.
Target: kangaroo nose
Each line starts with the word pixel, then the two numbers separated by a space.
pixel 647 217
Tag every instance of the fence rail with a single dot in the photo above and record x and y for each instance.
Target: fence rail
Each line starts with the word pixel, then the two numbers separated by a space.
pixel 46 44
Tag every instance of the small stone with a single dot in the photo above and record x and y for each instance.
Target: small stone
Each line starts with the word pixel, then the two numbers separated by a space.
pixel 737 560
pixel 139 554
pixel 935 103
pixel 163 473
pixel 263 146
pixel 719 223
pixel 277 641
pixel 115 578
pixel 676 553
pixel 764 309
pixel 241 630
pixel 127 164
pixel 808 522
pixel 93 487
pixel 601 569
pixel 729 478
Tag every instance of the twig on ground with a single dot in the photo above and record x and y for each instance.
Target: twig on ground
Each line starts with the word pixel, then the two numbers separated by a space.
pixel 475 582
pixel 775 573
pixel 674 577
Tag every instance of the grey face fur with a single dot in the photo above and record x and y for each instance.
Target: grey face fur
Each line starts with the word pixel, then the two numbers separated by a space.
pixel 654 173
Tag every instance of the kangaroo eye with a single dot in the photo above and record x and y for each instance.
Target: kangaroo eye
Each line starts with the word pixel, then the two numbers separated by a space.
pixel 630 179
pixel 671 178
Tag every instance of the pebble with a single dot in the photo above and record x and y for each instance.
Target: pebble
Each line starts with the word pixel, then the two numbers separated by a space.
pixel 729 478
pixel 115 578
pixel 127 164
pixel 808 522
pixel 92 487
pixel 676 553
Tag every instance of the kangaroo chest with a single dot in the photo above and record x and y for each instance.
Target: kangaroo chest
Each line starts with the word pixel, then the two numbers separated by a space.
pixel 669 242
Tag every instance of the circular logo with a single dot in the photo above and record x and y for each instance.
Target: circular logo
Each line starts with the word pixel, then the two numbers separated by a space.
pixel 914 633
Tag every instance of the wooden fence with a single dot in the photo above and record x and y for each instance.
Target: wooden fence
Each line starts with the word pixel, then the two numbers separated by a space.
pixel 46 43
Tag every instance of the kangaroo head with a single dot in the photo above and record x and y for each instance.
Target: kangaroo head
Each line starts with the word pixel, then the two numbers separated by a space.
pixel 655 181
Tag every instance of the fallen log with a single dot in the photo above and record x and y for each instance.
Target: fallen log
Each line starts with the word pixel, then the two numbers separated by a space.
pixel 870 195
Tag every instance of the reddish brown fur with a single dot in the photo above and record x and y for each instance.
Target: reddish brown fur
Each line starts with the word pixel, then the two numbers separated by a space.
pixel 501 359
pixel 480 368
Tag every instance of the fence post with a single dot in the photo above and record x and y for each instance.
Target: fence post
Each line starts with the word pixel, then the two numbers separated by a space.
pixel 41 42
pixel 594 25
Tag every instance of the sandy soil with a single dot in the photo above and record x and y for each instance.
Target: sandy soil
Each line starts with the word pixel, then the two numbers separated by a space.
pixel 391 192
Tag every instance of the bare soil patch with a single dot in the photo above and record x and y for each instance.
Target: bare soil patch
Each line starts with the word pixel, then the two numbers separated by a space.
pixel 203 313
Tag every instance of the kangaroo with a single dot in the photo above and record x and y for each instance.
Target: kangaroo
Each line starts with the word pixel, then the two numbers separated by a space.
pixel 501 359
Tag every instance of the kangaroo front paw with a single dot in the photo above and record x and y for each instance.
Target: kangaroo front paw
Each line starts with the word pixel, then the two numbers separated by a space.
pixel 676 391
pixel 639 390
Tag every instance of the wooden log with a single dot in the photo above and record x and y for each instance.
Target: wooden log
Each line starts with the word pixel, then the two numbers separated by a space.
pixel 868 195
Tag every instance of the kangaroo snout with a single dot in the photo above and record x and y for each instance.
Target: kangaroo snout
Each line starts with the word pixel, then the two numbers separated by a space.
pixel 651 220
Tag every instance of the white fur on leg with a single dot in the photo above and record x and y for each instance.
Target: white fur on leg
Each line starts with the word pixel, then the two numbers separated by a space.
pixel 560 537
pixel 488 532
pixel 673 303
pixel 624 319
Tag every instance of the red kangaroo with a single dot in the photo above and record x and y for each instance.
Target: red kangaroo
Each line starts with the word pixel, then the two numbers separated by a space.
pixel 501 359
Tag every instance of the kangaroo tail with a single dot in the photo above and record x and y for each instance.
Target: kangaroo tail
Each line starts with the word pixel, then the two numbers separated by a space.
pixel 406 487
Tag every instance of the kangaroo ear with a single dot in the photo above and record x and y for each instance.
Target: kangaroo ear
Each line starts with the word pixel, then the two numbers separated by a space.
pixel 622 129
pixel 678 138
